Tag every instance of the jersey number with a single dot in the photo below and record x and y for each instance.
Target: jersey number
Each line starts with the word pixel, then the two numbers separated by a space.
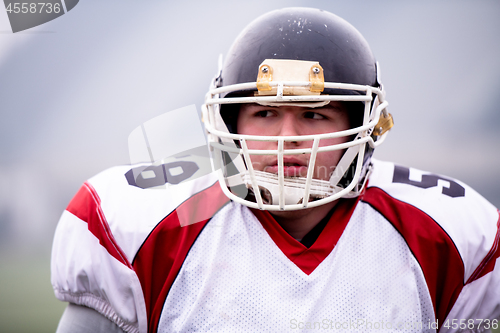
pixel 156 175
pixel 402 175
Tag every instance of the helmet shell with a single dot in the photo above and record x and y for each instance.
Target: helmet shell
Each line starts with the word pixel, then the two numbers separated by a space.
pixel 301 34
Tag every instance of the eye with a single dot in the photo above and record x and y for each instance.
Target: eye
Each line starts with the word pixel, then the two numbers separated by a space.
pixel 264 114
pixel 313 115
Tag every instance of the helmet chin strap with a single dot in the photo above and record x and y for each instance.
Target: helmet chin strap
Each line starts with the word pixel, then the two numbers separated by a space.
pixel 345 163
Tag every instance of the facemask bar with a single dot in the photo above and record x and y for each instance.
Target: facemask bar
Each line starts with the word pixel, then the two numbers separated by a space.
pixel 310 169
pixel 283 184
pixel 220 140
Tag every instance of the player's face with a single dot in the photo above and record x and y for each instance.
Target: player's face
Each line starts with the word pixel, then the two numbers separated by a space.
pixel 255 119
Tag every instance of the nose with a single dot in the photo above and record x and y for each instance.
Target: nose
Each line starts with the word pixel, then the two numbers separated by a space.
pixel 289 126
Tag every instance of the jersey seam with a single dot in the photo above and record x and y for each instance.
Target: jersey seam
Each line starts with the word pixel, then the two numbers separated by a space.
pixel 179 271
pixel 420 210
pixel 488 258
pixel 170 213
pixel 105 224
pixel 461 283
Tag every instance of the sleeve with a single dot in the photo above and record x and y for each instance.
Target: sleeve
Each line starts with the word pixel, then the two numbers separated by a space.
pixel 81 319
pixel 89 268
pixel 470 226
pixel 479 299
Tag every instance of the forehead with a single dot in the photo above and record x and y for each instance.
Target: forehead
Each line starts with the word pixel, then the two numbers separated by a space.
pixel 333 106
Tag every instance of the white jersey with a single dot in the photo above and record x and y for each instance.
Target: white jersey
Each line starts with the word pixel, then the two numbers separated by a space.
pixel 416 252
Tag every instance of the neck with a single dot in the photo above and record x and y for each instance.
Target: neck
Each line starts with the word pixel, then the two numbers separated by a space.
pixel 298 223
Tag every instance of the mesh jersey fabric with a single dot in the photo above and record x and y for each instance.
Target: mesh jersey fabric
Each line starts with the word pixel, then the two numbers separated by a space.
pixel 235 279
pixel 185 259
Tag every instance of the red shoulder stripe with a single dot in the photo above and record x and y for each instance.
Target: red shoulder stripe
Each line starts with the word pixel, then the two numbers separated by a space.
pixel 488 263
pixel 161 256
pixel 434 250
pixel 86 205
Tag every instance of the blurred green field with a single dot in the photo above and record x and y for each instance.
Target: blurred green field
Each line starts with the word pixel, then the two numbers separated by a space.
pixel 27 302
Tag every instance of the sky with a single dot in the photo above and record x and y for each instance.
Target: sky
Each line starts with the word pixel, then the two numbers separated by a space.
pixel 73 89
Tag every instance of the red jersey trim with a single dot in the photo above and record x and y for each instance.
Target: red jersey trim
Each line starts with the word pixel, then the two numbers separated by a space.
pixel 162 254
pixel 86 205
pixel 432 247
pixel 307 259
pixel 488 263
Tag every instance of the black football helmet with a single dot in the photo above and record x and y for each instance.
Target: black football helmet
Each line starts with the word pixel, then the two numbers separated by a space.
pixel 300 57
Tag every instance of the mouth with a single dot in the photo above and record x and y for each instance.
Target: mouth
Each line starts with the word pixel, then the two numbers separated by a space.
pixel 292 167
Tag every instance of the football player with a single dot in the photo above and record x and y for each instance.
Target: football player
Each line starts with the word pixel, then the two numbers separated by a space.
pixel 297 227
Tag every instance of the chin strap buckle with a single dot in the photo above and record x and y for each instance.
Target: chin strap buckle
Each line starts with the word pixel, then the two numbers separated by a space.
pixel 384 124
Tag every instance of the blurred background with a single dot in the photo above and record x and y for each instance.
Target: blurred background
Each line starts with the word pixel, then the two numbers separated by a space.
pixel 72 90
